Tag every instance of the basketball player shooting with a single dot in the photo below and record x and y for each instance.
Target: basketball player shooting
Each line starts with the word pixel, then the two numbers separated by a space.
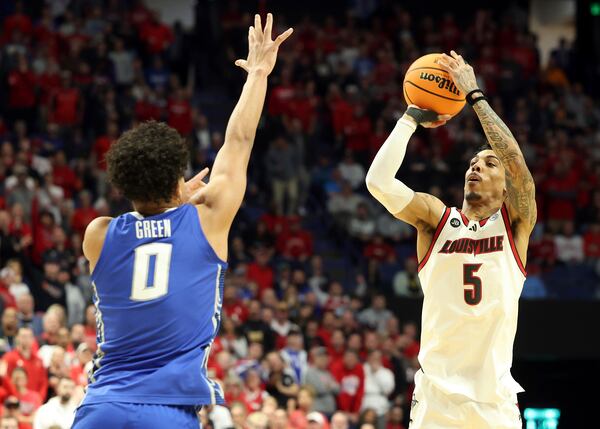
pixel 158 271
pixel 471 268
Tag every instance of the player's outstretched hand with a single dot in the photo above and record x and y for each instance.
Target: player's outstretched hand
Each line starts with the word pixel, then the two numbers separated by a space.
pixel 262 51
pixel 461 72
pixel 426 118
pixel 194 185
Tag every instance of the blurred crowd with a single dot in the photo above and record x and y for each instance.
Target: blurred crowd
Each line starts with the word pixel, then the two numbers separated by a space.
pixel 308 336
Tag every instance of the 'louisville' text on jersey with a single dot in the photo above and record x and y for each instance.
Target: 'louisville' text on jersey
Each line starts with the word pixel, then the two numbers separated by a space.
pixel 476 247
pixel 160 228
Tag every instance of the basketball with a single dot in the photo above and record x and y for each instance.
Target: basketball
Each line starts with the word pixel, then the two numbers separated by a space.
pixel 428 86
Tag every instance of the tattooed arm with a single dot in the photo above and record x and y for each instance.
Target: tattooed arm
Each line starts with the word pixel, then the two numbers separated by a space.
pixel 519 181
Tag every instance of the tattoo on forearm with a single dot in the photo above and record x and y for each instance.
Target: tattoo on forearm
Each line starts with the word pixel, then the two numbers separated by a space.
pixel 519 181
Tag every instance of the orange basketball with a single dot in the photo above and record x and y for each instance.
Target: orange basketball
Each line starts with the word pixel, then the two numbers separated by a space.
pixel 430 87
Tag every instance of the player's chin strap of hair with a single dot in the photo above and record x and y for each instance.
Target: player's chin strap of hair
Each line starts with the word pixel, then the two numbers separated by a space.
pixel 381 177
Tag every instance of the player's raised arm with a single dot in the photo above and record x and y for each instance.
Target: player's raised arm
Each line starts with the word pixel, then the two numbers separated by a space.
pixel 225 191
pixel 519 182
pixel 421 210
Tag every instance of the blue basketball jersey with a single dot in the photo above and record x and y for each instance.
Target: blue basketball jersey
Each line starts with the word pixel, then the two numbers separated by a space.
pixel 158 293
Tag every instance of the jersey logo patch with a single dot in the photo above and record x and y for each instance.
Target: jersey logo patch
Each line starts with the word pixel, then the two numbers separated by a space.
pixel 454 222
pixel 473 228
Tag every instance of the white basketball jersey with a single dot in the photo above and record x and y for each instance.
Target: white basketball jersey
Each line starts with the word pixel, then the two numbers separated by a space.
pixel 472 278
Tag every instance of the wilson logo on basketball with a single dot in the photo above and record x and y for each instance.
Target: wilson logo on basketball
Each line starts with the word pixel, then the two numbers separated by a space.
pixel 442 82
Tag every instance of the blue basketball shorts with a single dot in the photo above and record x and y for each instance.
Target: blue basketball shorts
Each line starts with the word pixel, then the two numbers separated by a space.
pixel 121 415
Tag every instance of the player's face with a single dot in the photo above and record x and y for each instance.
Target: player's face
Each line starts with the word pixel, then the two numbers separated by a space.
pixel 484 177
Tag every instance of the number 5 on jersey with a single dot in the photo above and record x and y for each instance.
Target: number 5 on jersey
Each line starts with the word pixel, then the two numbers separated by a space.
pixel 472 296
pixel 151 271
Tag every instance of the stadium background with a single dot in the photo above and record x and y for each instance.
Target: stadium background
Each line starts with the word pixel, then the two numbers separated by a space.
pixel 310 249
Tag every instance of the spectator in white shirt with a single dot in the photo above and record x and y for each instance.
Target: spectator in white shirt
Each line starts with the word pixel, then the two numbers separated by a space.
pixel 352 171
pixel 569 246
pixel 58 411
pixel 379 383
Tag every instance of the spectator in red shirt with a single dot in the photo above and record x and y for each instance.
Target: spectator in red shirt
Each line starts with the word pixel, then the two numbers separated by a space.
pixel 156 35
pixel 22 356
pixel 66 103
pixel 104 142
pixel 296 243
pixel 358 133
pixel 29 400
pixel 591 242
pixel 84 214
pixel 21 95
pixel 260 272
pixel 17 21
pixel 233 307
pixel 342 112
pixel 146 107
pixel 253 393
pixel 350 374
pixel 378 250
pixel 90 326
pixel 179 112
pixel 63 175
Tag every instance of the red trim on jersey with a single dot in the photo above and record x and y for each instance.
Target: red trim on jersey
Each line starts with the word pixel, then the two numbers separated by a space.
pixel 464 218
pixel 438 230
pixel 511 240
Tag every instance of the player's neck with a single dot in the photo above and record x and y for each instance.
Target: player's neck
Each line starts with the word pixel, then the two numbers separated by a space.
pixel 479 211
pixel 151 209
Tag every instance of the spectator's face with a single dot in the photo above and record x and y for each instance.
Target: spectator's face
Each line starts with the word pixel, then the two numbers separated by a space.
pixel 19 379
pixel 58 357
pixel 65 389
pixel 350 360
pixel 78 333
pixel 51 270
pixel 255 351
pixel 490 180
pixel 322 361
pixel 51 323
pixel 337 339
pixel 252 380
pixel 339 421
pixel 90 315
pixel 375 360
pixel 10 320
pixel 275 363
pixel 238 414
pixel 355 342
pixel 379 302
pixel 24 339
pixel 280 419
pixel 305 400
pixel 63 337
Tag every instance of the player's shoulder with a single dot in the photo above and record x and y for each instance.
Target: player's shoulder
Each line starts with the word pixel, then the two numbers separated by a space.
pixel 94 235
pixel 99 224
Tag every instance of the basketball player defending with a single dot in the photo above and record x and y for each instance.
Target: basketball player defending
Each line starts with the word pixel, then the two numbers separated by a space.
pixel 158 271
pixel 471 268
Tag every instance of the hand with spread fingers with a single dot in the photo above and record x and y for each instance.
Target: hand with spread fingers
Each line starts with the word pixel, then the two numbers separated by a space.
pixel 262 51
pixel 461 72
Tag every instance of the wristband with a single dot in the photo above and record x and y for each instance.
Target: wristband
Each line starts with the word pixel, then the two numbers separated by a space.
pixel 472 100
pixel 421 115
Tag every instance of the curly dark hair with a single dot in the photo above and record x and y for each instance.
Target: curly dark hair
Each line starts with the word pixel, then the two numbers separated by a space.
pixel 147 162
